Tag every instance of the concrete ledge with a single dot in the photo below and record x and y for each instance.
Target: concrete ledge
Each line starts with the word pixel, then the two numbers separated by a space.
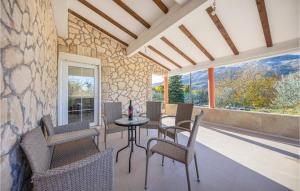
pixel 267 123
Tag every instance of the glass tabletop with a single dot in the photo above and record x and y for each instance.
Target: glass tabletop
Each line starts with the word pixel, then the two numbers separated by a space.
pixel 136 121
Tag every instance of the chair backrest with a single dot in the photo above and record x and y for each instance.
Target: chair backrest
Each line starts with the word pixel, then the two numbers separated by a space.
pixel 47 124
pixel 112 111
pixel 153 110
pixel 184 112
pixel 192 138
pixel 36 150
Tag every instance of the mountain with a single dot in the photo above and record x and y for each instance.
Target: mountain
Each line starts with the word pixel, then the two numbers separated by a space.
pixel 278 66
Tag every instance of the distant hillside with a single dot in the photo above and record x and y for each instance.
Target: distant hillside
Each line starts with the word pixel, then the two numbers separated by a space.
pixel 278 66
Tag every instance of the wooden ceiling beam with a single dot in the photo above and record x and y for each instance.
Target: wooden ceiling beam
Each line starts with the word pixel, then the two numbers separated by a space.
pixel 108 18
pixel 178 50
pixel 261 7
pixel 96 26
pixel 151 59
pixel 164 56
pixel 196 42
pixel 222 30
pixel 132 13
pixel 162 6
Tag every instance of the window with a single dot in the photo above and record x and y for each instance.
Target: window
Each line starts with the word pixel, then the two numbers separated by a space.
pixel 189 88
pixel 157 88
pixel 265 85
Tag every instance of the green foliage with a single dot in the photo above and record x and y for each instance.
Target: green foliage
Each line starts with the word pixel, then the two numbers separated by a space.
pixel 157 96
pixel 158 89
pixel 175 90
pixel 288 92
pixel 200 97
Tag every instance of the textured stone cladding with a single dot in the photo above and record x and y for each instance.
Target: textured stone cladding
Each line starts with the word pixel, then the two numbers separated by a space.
pixel 123 78
pixel 28 80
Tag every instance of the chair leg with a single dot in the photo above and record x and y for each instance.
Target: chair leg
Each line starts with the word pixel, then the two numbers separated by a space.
pixel 175 141
pixel 146 175
pixel 105 140
pixel 188 176
pixel 139 135
pixel 162 160
pixel 196 165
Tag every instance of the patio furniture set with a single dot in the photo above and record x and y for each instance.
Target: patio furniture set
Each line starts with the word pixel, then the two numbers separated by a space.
pixel 67 157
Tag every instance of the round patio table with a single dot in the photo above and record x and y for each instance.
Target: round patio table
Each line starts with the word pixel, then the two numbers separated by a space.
pixel 131 125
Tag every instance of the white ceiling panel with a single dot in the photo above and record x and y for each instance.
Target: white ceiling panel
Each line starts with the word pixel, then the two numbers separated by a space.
pixel 241 21
pixel 283 19
pixel 100 21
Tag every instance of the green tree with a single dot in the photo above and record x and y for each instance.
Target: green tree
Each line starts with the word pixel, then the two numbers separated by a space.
pixel 287 92
pixel 200 97
pixel 175 90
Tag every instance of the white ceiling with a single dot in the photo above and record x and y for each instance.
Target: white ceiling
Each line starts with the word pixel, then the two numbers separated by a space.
pixel 239 17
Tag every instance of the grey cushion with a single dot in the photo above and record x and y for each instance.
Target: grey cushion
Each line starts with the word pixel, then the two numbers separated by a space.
pixel 71 136
pixel 169 150
pixel 38 153
pixel 47 123
pixel 70 152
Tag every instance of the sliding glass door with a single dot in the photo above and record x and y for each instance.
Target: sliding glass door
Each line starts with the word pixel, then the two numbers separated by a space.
pixel 79 93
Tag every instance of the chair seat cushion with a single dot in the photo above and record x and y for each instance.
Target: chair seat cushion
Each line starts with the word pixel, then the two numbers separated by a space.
pixel 170 133
pixel 71 136
pixel 113 128
pixel 70 152
pixel 169 150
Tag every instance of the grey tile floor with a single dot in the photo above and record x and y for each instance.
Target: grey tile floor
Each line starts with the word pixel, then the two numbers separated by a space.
pixel 228 161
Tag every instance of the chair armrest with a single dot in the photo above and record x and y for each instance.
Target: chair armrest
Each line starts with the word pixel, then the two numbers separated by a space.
pixel 175 128
pixel 95 171
pixel 184 121
pixel 71 127
pixel 142 114
pixel 166 116
pixel 164 141
pixel 71 136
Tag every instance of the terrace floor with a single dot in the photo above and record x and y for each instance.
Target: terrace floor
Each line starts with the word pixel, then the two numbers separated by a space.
pixel 229 160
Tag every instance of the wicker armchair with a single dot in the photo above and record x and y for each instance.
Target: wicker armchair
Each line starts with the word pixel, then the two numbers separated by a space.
pixel 70 132
pixel 71 166
pixel 112 111
pixel 182 118
pixel 175 151
pixel 153 112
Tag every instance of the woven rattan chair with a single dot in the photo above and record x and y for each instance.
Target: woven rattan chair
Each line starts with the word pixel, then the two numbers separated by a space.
pixel 153 112
pixel 175 151
pixel 71 166
pixel 70 132
pixel 182 118
pixel 112 111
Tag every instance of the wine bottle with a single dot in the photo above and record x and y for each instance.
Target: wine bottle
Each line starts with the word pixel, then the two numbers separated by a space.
pixel 130 111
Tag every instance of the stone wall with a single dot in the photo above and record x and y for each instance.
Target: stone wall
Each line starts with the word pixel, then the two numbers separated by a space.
pixel 28 79
pixel 123 77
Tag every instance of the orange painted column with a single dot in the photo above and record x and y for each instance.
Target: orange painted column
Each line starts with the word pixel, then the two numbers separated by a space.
pixel 211 88
pixel 166 89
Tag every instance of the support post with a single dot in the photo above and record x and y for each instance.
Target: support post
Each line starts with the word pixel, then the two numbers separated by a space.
pixel 166 89
pixel 211 88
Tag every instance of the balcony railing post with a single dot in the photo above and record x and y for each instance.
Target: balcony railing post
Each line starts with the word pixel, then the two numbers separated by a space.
pixel 211 88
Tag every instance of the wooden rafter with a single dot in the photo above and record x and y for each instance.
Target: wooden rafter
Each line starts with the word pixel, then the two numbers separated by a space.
pixel 96 26
pixel 196 42
pixel 149 58
pixel 261 7
pixel 178 50
pixel 222 30
pixel 108 18
pixel 162 6
pixel 132 13
pixel 164 56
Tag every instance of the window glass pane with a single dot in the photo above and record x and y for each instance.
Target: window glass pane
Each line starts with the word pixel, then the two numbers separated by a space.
pixel 265 85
